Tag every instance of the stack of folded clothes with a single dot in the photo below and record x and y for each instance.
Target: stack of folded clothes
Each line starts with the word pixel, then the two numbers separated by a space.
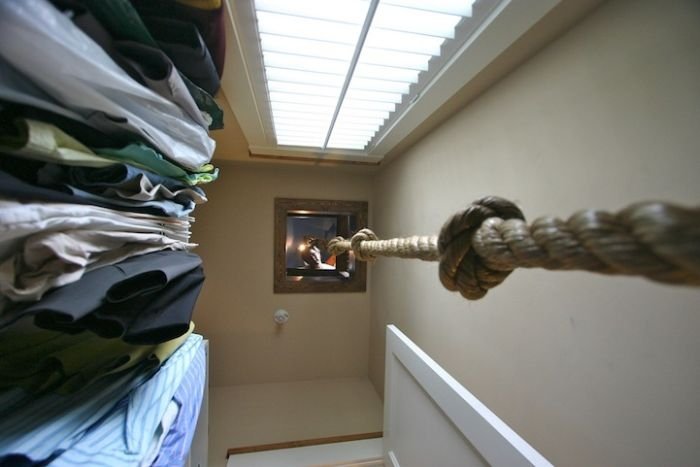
pixel 105 110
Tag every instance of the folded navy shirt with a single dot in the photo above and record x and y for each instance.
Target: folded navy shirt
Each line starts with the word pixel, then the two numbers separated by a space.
pixel 13 187
pixel 154 294
pixel 210 23
pixel 182 42
pixel 114 176
pixel 151 318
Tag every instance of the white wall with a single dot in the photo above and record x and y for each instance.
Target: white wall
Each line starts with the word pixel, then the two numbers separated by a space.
pixel 591 370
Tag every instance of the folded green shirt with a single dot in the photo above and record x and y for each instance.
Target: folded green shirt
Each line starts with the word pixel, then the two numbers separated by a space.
pixel 142 156
pixel 32 139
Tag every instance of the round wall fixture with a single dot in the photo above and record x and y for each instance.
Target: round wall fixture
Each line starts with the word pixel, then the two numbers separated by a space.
pixel 280 316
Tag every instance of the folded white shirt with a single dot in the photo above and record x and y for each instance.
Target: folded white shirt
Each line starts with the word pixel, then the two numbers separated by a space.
pixel 47 245
pixel 143 190
pixel 54 259
pixel 19 220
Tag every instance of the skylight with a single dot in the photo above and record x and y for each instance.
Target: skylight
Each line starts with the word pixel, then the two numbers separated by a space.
pixel 336 69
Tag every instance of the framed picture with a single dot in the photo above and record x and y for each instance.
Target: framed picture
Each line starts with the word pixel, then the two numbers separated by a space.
pixel 303 228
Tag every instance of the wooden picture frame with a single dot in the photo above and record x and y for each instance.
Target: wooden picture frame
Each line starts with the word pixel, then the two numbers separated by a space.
pixel 302 230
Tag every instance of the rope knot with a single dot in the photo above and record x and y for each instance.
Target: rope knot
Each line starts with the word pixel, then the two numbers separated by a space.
pixel 335 246
pixel 356 244
pixel 461 268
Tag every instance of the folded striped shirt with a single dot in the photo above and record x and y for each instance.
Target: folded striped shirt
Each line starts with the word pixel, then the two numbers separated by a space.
pixel 108 423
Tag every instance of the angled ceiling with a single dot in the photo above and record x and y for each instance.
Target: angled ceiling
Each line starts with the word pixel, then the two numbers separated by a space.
pixel 297 92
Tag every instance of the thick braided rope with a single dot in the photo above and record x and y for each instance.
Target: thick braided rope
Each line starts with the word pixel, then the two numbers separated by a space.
pixel 480 246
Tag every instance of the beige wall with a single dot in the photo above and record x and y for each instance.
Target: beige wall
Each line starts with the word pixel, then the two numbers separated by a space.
pixel 327 334
pixel 591 370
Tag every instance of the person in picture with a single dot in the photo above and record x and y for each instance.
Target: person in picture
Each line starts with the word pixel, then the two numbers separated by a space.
pixel 311 254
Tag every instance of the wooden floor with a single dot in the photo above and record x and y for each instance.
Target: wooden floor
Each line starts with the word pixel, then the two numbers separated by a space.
pixel 304 443
pixel 357 450
pixel 378 462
